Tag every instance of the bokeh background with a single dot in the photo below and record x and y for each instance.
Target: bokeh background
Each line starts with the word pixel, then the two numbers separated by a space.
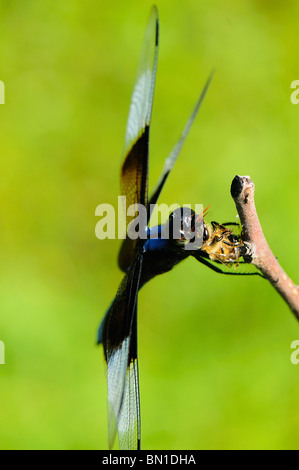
pixel 215 369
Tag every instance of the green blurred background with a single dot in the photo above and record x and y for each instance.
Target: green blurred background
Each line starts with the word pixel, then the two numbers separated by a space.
pixel 215 369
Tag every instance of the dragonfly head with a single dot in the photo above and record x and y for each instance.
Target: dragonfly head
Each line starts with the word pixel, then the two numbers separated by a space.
pixel 184 226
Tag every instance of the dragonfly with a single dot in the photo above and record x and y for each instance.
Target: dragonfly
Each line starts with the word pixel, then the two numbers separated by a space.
pixel 218 246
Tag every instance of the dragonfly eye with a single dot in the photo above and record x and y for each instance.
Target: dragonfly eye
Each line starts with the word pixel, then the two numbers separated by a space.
pixel 205 233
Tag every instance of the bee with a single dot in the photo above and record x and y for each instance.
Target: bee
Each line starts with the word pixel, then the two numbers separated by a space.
pixel 221 244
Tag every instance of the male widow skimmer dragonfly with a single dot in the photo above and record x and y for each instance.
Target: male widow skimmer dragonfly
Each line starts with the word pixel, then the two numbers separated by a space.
pixel 218 247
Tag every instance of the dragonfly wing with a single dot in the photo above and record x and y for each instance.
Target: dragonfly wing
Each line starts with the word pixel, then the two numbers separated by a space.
pixel 134 171
pixel 129 430
pixel 143 92
pixel 119 337
pixel 170 161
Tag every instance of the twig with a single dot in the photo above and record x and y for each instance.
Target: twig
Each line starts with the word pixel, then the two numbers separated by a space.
pixel 257 249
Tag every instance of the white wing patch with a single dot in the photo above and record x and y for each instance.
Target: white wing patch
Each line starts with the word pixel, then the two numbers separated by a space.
pixel 138 113
pixel 123 399
pixel 116 378
pixel 143 92
pixel 129 418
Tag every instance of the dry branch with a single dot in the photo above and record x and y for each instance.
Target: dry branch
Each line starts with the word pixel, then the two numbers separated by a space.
pixel 257 249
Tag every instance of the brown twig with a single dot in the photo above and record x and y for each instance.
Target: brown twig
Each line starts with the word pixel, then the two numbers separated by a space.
pixel 258 251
